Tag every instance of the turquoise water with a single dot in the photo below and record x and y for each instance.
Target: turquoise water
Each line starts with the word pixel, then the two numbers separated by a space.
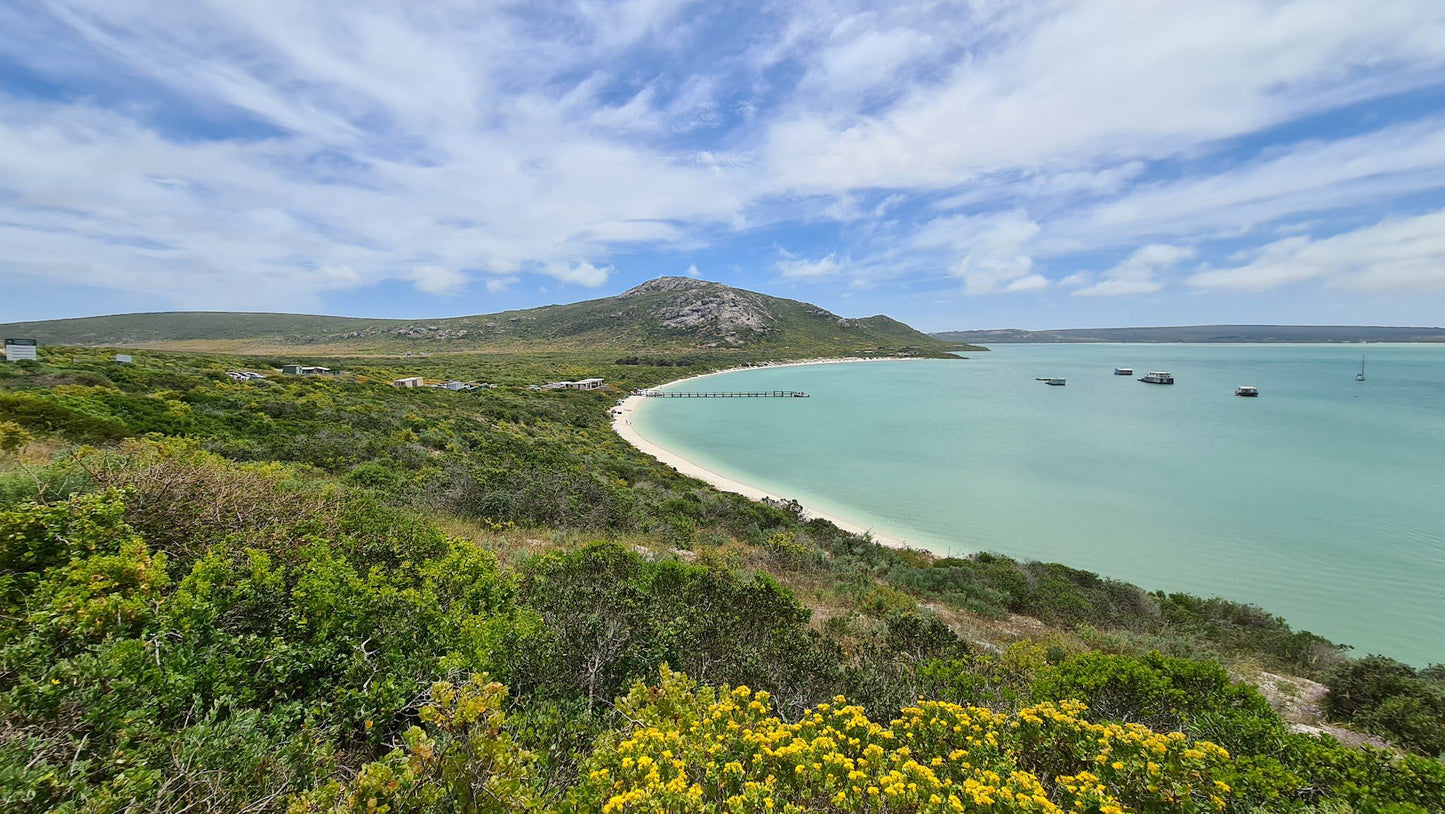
pixel 1323 500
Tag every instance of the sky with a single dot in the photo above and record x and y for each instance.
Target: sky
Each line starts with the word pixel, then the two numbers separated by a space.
pixel 957 165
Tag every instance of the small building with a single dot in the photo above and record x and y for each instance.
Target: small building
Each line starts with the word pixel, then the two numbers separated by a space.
pixel 19 350
pixel 580 384
pixel 409 381
pixel 307 370
pixel 123 359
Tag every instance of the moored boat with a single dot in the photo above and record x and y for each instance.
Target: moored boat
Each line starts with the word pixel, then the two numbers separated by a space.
pixel 1246 390
pixel 1157 377
pixel 1123 371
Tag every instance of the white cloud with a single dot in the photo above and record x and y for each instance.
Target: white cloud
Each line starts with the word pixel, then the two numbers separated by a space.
pixel 386 145
pixel 1400 255
pixel 584 273
pixel 266 153
pixel 1077 84
pixel 339 276
pixel 1314 176
pixel 497 285
pixel 801 268
pixel 438 280
pixel 692 271
pixel 860 57
pixel 991 252
pixel 1136 275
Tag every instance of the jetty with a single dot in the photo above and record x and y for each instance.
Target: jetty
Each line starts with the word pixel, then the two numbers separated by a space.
pixel 759 394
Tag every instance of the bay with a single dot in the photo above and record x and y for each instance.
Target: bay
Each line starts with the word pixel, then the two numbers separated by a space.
pixel 1323 500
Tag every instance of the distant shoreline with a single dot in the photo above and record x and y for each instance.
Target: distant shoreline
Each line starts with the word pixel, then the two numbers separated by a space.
pixel 1206 335
pixel 623 426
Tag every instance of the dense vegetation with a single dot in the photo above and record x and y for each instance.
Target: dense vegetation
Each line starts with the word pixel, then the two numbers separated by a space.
pixel 332 594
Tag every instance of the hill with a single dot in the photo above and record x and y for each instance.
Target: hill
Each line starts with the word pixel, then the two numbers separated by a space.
pixel 1205 334
pixel 669 314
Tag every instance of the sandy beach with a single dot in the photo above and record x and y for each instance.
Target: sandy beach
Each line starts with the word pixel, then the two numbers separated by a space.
pixel 622 424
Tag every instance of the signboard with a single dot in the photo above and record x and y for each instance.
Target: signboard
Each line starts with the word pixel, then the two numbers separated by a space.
pixel 18 349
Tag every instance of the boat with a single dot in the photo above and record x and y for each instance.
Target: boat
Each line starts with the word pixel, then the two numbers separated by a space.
pixel 1247 391
pixel 1123 371
pixel 1158 377
pixel 1054 382
pixel 1359 377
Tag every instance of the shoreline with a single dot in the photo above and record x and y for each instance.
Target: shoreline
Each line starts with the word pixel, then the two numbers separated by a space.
pixel 622 425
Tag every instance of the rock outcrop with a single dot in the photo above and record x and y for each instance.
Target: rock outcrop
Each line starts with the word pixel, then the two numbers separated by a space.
pixel 706 309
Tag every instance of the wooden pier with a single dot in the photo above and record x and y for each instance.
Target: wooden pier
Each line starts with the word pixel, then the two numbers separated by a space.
pixel 762 394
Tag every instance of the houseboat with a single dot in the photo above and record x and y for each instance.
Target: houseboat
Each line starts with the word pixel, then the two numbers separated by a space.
pixel 1123 371
pixel 1157 377
pixel 1247 391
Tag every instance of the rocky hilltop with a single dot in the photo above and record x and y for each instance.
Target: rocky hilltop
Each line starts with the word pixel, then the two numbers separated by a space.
pixel 665 315
pixel 706 309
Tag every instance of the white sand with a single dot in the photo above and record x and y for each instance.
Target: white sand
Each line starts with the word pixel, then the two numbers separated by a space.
pixel 622 424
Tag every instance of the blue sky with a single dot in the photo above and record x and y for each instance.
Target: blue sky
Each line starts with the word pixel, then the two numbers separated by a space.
pixel 978 164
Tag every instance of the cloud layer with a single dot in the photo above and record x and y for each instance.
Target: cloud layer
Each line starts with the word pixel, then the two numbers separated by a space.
pixel 277 154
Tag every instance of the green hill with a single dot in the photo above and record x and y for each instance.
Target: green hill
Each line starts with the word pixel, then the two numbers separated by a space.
pixel 1205 334
pixel 669 314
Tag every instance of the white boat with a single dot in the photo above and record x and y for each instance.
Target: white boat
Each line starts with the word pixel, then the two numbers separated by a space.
pixel 1054 382
pixel 1247 391
pixel 1123 371
pixel 1359 377
pixel 1158 377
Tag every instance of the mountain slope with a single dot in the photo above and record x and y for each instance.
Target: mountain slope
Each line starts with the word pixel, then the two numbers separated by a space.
pixel 1205 333
pixel 666 314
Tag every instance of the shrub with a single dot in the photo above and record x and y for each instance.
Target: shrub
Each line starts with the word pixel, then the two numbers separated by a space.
pixel 461 760
pixel 1158 691
pixel 1390 699
pixel 690 748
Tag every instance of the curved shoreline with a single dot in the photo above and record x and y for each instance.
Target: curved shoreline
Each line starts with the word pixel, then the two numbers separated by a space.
pixel 622 425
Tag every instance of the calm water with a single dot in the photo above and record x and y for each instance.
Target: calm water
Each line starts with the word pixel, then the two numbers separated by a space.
pixel 1323 500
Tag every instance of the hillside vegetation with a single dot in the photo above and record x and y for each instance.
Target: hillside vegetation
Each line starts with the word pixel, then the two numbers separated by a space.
pixel 1205 334
pixel 330 594
pixel 666 315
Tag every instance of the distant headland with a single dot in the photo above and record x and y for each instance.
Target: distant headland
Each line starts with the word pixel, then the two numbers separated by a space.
pixel 1204 334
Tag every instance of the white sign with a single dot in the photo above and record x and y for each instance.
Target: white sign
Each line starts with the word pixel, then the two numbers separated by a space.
pixel 18 349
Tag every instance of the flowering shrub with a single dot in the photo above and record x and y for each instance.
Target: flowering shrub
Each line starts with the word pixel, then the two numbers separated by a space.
pixel 462 761
pixel 691 748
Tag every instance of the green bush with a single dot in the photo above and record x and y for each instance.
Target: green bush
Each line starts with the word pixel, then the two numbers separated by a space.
pixel 1390 699
pixel 1161 692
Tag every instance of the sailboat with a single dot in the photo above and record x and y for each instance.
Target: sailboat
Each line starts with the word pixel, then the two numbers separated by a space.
pixel 1359 377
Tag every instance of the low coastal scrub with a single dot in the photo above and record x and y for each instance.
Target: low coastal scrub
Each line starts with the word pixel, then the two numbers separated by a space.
pixel 1392 700
pixel 234 606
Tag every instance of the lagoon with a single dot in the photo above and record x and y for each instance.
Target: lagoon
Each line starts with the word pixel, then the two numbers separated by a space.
pixel 1323 500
